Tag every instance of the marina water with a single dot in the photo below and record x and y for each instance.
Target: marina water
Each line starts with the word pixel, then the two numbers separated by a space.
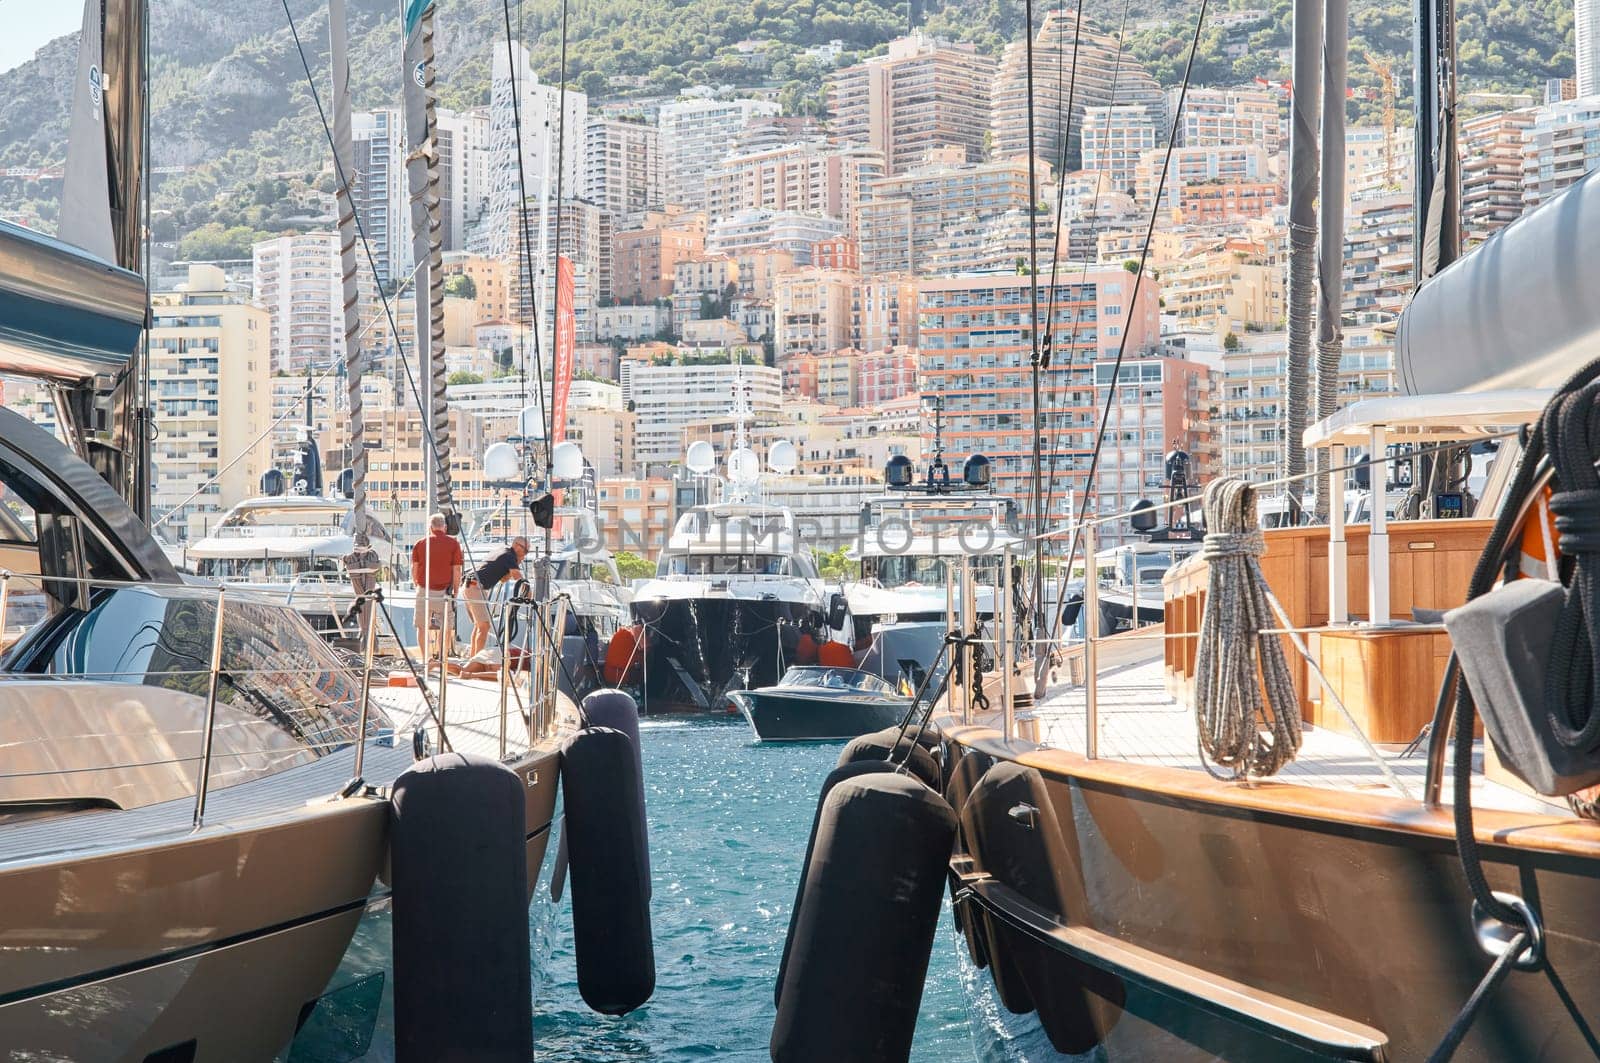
pixel 728 825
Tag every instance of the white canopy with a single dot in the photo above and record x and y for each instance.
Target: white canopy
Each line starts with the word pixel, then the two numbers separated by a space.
pixel 1414 418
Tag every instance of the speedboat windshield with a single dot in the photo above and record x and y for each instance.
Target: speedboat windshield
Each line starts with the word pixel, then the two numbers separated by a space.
pixel 818 677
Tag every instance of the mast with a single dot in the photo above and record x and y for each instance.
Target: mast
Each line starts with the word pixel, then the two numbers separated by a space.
pixel 1435 189
pixel 1305 104
pixel 422 173
pixel 1034 352
pixel 1330 255
pixel 354 357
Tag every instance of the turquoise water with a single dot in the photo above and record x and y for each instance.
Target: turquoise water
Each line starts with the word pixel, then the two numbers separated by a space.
pixel 728 827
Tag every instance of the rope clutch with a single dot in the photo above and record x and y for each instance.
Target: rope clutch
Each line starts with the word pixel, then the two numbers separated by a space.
pixel 1246 710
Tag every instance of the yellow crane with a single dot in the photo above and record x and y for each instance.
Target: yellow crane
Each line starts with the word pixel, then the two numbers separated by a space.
pixel 1384 69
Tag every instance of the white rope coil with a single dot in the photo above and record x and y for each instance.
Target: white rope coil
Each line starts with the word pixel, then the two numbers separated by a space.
pixel 1246 710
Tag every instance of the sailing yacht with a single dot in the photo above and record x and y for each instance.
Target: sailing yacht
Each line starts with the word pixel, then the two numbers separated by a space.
pixel 736 596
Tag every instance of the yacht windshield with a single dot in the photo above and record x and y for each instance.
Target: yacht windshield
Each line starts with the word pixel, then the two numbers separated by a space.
pixel 726 565
pixel 909 570
pixel 265 569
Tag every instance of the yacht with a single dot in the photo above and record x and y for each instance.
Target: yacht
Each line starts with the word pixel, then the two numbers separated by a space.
pixel 736 597
pixel 1130 578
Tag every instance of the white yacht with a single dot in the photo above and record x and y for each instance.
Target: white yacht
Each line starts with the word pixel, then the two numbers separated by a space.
pixel 286 546
pixel 736 596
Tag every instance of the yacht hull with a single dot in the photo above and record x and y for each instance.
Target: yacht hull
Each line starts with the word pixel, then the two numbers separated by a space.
pixel 212 945
pixel 1163 914
pixel 778 716
pixel 699 649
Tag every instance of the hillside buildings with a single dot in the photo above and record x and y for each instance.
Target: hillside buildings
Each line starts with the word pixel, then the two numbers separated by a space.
pixel 1561 145
pixel 666 398
pixel 695 134
pixel 1115 140
pixel 622 167
pixel 553 130
pixel 806 178
pixel 923 94
pixel 900 220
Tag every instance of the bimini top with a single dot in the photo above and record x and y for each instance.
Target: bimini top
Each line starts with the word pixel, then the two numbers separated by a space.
pixel 1420 418
pixel 64 314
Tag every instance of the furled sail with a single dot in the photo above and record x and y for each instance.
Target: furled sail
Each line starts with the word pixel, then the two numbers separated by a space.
pixel 355 357
pixel 422 174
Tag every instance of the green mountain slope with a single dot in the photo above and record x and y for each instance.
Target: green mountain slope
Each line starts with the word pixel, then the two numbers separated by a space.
pixel 234 120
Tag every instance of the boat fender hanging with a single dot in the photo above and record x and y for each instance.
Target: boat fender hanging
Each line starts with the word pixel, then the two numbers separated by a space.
pixel 876 746
pixel 969 766
pixel 617 710
pixel 610 888
pixel 872 897
pixel 1016 837
pixel 458 855
pixel 836 776
pixel 624 656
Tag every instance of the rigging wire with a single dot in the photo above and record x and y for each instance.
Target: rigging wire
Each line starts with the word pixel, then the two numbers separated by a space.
pixel 1034 349
pixel 1133 302
pixel 522 217
pixel 550 426
pixel 366 245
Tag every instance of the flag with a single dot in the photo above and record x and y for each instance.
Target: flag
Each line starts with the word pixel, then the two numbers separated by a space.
pixel 566 349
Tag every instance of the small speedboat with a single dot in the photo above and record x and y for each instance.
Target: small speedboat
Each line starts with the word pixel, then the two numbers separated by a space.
pixel 817 703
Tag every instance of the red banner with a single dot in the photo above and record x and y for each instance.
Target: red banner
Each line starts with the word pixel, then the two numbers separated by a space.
pixel 566 349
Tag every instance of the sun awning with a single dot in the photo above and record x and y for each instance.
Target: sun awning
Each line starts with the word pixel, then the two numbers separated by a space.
pixel 1413 418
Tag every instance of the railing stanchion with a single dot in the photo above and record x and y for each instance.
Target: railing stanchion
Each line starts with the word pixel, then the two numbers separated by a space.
pixel 5 601
pixel 505 668
pixel 446 636
pixel 1091 635
pixel 1338 550
pixel 968 653
pixel 1378 536
pixel 204 782
pixel 368 652
pixel 1006 621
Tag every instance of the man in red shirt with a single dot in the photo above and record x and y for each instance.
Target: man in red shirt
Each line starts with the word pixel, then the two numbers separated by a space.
pixel 436 570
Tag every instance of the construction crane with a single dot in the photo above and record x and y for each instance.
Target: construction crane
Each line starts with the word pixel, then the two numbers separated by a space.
pixel 1384 69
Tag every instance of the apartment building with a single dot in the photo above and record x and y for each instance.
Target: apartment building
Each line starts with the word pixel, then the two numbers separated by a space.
pixel 298 281
pixel 694 134
pixel 901 219
pixel 1210 164
pixel 1213 117
pixel 975 350
pixel 622 166
pixel 1115 140
pixel 630 323
pixel 1560 146
pixel 547 125
pixel 794 233
pixel 922 93
pixel 1161 402
pixel 1104 74
pixel 1491 171
pixel 491 283
pixel 810 178
pixel 643 259
pixel 811 310
pixel 635 515
pixel 666 398
pixel 702 288
pixel 885 376
pixel 210 354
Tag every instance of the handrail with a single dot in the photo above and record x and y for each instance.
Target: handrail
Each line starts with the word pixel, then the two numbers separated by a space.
pixel 211 717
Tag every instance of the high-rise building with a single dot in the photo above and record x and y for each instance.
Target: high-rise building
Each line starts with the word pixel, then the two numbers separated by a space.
pixel 1586 28
pixel 552 142
pixel 901 219
pixel 209 366
pixel 464 173
pixel 297 279
pixel 695 134
pixel 924 93
pixel 622 166
pixel 1491 171
pixel 813 178
pixel 378 189
pixel 1116 138
pixel 974 350
pixel 643 259
pixel 1162 402
pixel 1105 75
pixel 1561 145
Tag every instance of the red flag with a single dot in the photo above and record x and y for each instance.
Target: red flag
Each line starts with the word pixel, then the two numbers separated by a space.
pixel 566 349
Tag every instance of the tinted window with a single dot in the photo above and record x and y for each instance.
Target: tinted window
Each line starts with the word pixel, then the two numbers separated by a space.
pixel 273 665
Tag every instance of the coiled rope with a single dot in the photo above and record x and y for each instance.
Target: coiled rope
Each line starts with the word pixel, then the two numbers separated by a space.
pixel 1572 433
pixel 1253 731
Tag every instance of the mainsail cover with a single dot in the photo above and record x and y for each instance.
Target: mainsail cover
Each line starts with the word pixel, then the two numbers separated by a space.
pixel 422 174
